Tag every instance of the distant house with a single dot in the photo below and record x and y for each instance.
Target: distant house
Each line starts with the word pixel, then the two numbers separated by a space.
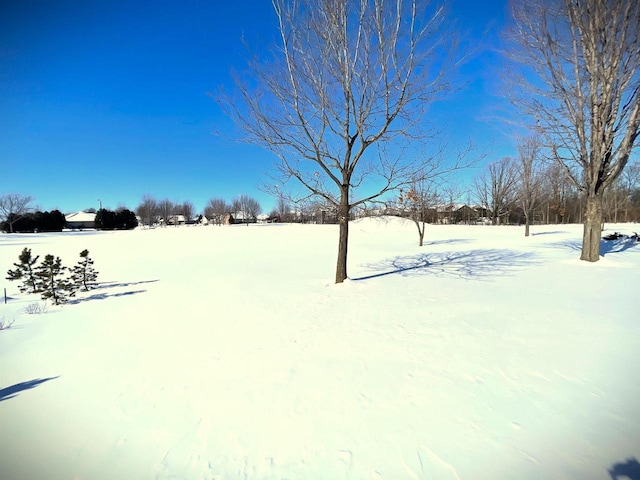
pixel 202 220
pixel 176 220
pixel 458 214
pixel 80 220
pixel 238 217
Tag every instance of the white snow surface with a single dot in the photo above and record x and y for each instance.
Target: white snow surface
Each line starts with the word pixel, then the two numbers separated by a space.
pixel 228 353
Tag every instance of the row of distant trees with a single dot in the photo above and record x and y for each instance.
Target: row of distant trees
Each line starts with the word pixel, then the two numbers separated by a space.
pixel 53 221
pixel 17 213
pixel 121 219
pixel 151 210
pixel 531 189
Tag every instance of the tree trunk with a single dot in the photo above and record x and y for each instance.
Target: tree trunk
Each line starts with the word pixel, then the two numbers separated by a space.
pixel 343 241
pixel 592 228
pixel 420 232
pixel 526 225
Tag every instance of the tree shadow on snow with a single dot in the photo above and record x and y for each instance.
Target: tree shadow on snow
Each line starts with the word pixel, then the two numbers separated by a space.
pixel 103 296
pixel 13 390
pixel 555 232
pixel 628 470
pixel 453 241
pixel 101 285
pixel 617 246
pixel 606 246
pixel 473 264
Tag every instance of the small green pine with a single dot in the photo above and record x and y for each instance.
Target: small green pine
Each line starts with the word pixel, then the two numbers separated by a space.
pixel 24 271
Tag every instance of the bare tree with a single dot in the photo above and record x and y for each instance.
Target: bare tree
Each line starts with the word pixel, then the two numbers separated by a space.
pixel 166 209
pixel 283 207
pixel 187 210
pixel 147 210
pixel 13 207
pixel 583 91
pixel 418 204
pixel 247 208
pixel 216 209
pixel 343 95
pixel 495 188
pixel 528 170
pixel 630 181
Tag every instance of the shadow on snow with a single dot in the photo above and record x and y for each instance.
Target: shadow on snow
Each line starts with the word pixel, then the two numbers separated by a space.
pixel 122 284
pixel 473 264
pixel 555 232
pixel 103 285
pixel 452 241
pixel 628 470
pixel 13 390
pixel 103 296
pixel 606 246
pixel 617 246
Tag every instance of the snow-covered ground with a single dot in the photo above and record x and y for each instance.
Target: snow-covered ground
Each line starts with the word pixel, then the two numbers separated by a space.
pixel 228 353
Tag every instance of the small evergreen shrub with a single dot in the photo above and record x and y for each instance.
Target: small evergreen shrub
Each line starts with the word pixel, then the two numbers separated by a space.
pixel 24 271
pixel 49 277
pixel 51 281
pixel 83 275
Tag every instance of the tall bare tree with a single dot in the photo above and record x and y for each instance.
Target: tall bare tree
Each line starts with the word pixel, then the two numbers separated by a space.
pixel 630 181
pixel 187 210
pixel 13 207
pixel 216 209
pixel 495 189
pixel 147 210
pixel 166 209
pixel 248 207
pixel 529 173
pixel 342 96
pixel 583 90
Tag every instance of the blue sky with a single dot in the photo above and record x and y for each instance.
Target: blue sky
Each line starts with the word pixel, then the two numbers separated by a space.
pixel 109 99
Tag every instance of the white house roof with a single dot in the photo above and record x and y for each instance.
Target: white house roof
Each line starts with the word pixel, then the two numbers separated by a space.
pixel 80 217
pixel 241 215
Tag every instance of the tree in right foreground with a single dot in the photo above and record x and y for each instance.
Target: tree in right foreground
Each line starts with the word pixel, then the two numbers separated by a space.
pixel 582 90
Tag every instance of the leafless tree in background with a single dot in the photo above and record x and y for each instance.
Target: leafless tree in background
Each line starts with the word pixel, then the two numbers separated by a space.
pixel 419 203
pixel 166 208
pixel 187 210
pixel 582 88
pixel 344 98
pixel 216 209
pixel 529 175
pixel 147 210
pixel 496 188
pixel 283 207
pixel 13 207
pixel 247 206
pixel 629 182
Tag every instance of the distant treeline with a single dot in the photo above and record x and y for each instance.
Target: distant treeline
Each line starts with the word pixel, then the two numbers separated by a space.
pixel 123 219
pixel 53 221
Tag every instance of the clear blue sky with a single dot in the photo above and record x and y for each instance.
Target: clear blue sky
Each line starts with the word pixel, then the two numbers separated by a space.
pixel 109 99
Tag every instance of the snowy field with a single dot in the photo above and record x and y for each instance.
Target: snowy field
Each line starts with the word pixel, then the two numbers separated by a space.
pixel 228 353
